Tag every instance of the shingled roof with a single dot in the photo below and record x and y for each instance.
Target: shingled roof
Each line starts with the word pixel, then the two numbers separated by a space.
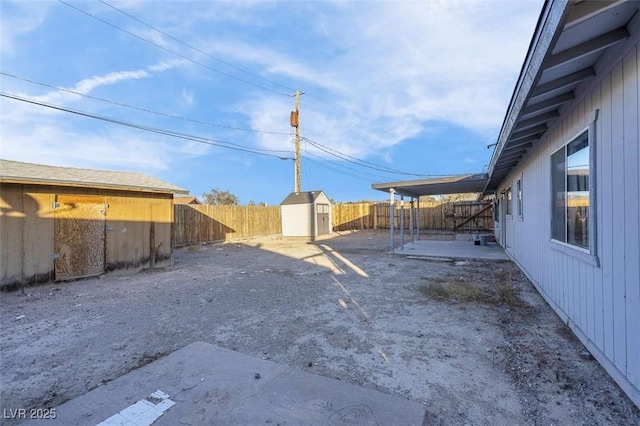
pixel 185 199
pixel 39 174
pixel 301 198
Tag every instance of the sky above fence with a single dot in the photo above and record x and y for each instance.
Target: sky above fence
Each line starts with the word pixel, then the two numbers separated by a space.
pixel 199 93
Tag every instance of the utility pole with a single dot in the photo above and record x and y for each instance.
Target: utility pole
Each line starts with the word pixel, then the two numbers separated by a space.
pixel 295 122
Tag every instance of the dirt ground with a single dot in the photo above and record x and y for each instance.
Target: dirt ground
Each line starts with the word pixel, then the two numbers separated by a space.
pixel 472 341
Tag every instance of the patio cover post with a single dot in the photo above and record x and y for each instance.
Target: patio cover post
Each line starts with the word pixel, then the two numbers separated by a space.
pixel 392 193
pixel 418 220
pixel 411 218
pixel 401 222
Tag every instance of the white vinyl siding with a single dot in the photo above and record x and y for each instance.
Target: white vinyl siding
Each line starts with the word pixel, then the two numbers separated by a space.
pixel 599 297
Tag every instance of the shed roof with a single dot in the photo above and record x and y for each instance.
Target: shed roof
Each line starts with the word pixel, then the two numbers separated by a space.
pixel 40 174
pixel 185 199
pixel 301 197
pixel 457 184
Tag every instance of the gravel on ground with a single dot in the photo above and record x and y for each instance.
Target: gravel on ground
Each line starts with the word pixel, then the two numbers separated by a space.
pixel 472 341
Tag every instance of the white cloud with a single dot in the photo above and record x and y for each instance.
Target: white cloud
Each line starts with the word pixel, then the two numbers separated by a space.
pixel 166 65
pixel 276 66
pixel 399 66
pixel 187 97
pixel 70 142
pixel 434 63
pixel 152 36
pixel 110 148
pixel 88 85
pixel 18 19
pixel 375 73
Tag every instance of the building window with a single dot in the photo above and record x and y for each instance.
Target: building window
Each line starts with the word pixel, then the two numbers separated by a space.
pixel 519 197
pixel 509 206
pixel 571 198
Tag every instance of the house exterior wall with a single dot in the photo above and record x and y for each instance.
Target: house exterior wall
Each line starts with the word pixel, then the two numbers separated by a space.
pixel 598 297
pixel 27 230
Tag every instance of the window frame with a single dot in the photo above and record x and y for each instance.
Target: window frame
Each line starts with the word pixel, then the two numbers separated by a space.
pixel 519 199
pixel 508 201
pixel 587 254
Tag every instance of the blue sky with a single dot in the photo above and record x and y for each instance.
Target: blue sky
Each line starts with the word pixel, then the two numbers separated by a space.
pixel 419 87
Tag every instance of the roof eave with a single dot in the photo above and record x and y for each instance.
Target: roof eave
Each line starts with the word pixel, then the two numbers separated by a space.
pixel 27 181
pixel 547 31
pixel 435 186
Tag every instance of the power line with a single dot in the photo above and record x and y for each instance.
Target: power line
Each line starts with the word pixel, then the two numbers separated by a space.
pixel 342 169
pixel 338 170
pixel 171 51
pixel 357 161
pixel 194 48
pixel 351 170
pixel 335 167
pixel 198 139
pixel 363 163
pixel 208 123
pixel 185 136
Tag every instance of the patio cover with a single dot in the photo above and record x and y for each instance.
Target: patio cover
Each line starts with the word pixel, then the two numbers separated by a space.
pixel 457 184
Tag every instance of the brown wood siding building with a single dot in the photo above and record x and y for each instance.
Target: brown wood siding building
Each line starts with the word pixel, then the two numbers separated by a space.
pixel 58 223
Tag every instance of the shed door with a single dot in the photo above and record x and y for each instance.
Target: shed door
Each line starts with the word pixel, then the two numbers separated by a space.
pixel 323 219
pixel 79 236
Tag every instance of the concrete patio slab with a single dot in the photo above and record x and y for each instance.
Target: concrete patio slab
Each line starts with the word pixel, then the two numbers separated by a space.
pixel 202 384
pixel 453 249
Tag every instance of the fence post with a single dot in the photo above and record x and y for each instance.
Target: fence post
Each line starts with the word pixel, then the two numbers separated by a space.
pixel 375 215
pixel 246 221
pixel 391 220
pixel 418 221
pixel 401 222
pixel 411 218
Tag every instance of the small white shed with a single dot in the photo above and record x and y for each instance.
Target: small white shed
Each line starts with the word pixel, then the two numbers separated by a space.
pixel 306 214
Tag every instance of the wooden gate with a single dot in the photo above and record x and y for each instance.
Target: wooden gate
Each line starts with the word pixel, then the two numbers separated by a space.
pixel 323 219
pixel 473 216
pixel 459 216
pixel 79 236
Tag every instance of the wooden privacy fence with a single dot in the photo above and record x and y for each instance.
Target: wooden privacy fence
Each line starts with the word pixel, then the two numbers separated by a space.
pixel 205 223
pixel 461 216
pixel 354 216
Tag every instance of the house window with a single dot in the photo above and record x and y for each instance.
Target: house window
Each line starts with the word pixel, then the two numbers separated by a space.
pixel 571 198
pixel 519 197
pixel 509 205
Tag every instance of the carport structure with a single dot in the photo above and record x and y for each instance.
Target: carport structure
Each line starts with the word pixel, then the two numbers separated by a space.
pixel 414 189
